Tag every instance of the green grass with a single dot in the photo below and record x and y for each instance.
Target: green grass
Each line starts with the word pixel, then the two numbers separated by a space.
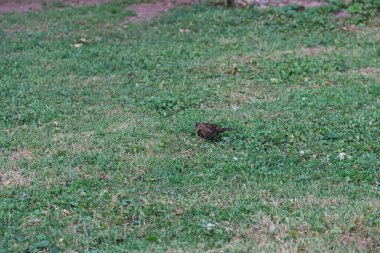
pixel 98 150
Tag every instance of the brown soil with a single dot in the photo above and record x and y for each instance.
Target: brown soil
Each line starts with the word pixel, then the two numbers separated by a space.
pixel 149 11
pixel 36 5
pixel 143 11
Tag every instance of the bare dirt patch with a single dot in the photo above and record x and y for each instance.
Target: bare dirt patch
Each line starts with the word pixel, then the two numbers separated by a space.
pixel 37 5
pixel 144 11
pixel 149 11
pixel 19 6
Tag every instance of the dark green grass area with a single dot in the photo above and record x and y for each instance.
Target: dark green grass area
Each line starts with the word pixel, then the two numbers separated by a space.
pixel 98 150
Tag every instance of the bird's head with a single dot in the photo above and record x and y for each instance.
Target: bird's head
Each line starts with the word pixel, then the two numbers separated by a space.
pixel 199 126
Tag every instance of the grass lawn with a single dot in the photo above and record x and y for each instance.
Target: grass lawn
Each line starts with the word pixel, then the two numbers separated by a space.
pixel 98 150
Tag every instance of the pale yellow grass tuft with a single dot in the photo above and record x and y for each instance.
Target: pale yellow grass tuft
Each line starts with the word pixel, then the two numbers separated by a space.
pixel 13 177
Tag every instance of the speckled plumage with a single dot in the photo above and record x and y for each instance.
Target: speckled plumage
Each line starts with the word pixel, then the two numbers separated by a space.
pixel 209 131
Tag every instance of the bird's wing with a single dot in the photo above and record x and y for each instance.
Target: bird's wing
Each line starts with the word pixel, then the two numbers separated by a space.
pixel 210 126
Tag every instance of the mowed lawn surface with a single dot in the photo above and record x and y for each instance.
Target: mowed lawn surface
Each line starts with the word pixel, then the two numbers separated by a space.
pixel 98 150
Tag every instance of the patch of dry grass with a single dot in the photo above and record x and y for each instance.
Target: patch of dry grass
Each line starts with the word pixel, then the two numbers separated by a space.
pixel 21 153
pixel 13 178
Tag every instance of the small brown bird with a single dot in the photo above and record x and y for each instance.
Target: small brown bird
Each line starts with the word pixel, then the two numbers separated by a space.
pixel 209 131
